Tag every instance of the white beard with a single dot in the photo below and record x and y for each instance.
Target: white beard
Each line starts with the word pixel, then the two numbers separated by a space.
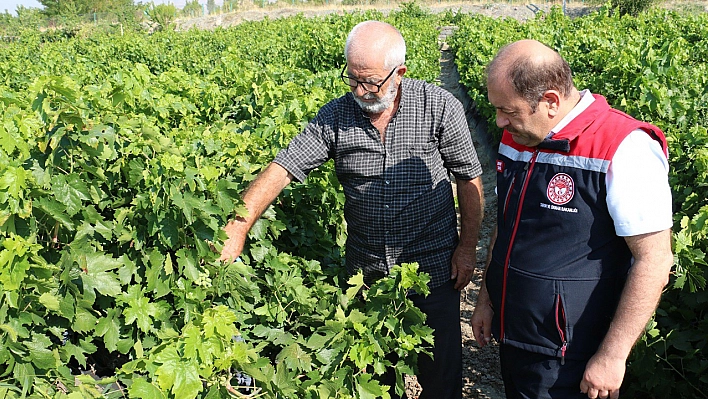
pixel 381 104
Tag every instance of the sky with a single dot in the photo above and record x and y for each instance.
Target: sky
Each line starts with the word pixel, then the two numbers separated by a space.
pixel 11 5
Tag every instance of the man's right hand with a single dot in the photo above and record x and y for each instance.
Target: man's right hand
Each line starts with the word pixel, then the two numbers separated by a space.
pixel 233 246
pixel 482 318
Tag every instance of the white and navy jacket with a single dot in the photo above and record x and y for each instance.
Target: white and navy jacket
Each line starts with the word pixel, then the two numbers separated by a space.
pixel 558 267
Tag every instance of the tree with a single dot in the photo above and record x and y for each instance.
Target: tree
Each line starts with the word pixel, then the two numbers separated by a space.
pixel 53 8
pixel 211 6
pixel 192 8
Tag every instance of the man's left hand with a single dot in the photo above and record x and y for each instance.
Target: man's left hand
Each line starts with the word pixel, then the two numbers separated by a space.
pixel 464 261
pixel 603 377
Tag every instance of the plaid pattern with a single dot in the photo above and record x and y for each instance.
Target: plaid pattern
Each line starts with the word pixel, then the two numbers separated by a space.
pixel 399 203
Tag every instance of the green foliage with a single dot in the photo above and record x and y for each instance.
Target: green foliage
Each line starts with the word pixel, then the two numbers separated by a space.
pixel 162 15
pixel 14 22
pixel 632 7
pixel 53 8
pixel 121 158
pixel 629 7
pixel 192 9
pixel 654 68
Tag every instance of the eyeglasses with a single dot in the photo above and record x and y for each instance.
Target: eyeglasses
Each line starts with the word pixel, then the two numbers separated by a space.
pixel 370 87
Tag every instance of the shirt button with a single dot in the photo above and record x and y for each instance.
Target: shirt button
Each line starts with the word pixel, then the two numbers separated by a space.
pixel 388 181
pixel 386 206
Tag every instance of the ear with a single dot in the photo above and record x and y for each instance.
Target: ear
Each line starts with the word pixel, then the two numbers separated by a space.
pixel 552 99
pixel 401 70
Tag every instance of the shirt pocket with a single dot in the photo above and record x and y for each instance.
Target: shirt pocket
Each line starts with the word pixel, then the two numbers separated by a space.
pixel 360 164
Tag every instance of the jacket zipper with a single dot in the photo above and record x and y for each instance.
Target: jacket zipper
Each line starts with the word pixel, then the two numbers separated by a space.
pixel 560 325
pixel 528 168
pixel 508 195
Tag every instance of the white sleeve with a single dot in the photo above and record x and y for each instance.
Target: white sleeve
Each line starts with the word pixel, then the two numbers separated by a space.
pixel 638 192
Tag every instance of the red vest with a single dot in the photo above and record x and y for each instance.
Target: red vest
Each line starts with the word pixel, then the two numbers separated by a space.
pixel 558 267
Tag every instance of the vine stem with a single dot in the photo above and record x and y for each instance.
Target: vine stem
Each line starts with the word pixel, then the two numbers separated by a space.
pixel 703 394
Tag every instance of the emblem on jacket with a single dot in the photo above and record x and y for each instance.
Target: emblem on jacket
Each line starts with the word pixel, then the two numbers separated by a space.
pixel 561 189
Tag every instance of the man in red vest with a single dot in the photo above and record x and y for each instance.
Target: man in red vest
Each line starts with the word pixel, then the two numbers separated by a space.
pixel 582 248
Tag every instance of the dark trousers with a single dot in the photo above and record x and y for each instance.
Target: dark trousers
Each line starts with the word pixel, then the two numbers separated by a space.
pixel 440 378
pixel 529 375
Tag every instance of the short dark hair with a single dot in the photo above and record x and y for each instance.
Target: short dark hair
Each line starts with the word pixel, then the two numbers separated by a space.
pixel 530 78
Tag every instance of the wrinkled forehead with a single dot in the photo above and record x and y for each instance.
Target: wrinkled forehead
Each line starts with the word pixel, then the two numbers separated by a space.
pixel 366 63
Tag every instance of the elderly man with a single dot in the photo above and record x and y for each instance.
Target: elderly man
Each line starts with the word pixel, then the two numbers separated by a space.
pixel 394 142
pixel 582 248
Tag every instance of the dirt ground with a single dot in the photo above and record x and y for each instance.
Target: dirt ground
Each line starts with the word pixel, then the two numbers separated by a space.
pixel 481 376
pixel 480 367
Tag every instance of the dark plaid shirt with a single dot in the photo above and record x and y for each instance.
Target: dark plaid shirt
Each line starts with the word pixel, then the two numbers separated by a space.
pixel 399 204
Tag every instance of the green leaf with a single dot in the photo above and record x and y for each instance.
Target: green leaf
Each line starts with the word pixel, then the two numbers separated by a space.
pixel 295 358
pixel 259 230
pixel 177 374
pixel 24 373
pixel 143 389
pixel 187 261
pixel 169 232
pixel 11 332
pixel 109 328
pixel 55 210
pixel 168 265
pixel 356 282
pixel 142 312
pixel 50 301
pixel 259 252
pixel 97 274
pixel 70 190
pixel 84 321
pixel 219 321
pixel 368 388
pixel 13 179
pixel 12 270
pixel 129 271
pixel 70 350
pixel 41 357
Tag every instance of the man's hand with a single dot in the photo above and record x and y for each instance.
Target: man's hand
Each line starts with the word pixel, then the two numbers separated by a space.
pixel 464 261
pixel 482 318
pixel 471 203
pixel 233 246
pixel 646 279
pixel 603 377
pixel 259 195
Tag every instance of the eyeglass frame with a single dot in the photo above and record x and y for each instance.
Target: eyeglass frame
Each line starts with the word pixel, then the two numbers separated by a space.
pixel 346 79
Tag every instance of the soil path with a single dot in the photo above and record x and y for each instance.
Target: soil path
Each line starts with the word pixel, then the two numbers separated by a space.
pixel 480 367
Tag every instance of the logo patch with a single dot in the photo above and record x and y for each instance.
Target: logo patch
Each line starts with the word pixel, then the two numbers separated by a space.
pixel 500 165
pixel 561 189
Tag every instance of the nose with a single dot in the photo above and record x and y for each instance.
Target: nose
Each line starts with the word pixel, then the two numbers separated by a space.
pixel 501 120
pixel 359 90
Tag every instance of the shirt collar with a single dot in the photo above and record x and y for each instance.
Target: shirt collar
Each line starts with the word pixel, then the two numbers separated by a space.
pixel 586 99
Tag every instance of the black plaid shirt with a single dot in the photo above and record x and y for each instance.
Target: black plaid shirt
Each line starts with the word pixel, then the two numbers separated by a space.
pixel 399 204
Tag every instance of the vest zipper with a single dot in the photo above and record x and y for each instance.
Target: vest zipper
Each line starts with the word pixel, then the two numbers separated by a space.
pixel 508 195
pixel 528 168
